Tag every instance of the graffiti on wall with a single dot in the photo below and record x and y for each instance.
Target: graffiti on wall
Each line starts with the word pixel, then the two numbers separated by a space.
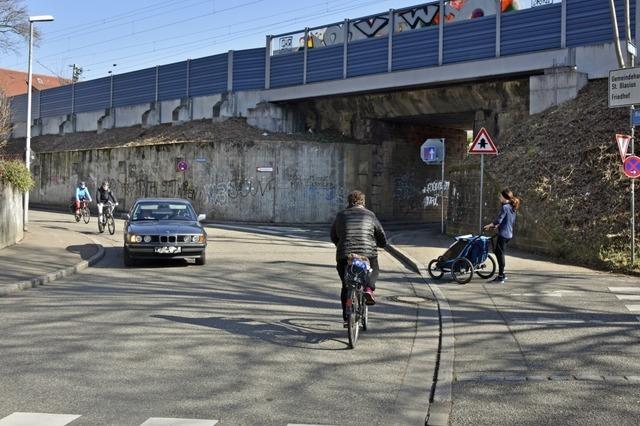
pixel 317 188
pixel 220 194
pixel 432 192
pixel 378 26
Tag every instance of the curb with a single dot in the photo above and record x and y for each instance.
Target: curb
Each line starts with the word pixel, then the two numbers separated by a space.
pixel 56 275
pixel 440 400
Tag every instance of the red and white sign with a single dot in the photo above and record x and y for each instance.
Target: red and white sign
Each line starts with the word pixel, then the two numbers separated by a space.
pixel 623 145
pixel 631 166
pixel 483 144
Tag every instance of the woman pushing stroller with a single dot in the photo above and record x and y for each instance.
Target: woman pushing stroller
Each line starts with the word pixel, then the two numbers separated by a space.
pixel 504 223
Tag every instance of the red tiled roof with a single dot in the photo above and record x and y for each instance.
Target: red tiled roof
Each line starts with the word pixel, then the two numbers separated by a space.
pixel 15 82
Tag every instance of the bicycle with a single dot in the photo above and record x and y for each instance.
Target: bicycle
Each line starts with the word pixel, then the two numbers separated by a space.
pixel 107 219
pixel 356 278
pixel 83 212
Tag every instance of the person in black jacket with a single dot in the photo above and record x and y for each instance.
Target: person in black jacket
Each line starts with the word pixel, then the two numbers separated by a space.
pixel 357 230
pixel 104 195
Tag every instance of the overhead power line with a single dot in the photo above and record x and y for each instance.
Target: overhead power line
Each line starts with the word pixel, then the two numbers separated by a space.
pixel 234 36
pixel 226 33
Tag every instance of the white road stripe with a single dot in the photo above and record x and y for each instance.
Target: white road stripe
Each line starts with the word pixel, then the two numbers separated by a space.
pixel 167 421
pixel 624 289
pixel 537 294
pixel 628 296
pixel 37 419
pixel 633 308
pixel 551 321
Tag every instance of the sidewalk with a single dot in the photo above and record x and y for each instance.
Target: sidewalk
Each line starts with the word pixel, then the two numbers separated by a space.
pixel 46 253
pixel 426 244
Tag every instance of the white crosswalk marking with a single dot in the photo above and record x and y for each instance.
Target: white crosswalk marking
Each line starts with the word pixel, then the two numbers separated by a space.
pixel 628 296
pixel 167 421
pixel 37 419
pixel 624 289
pixel 633 308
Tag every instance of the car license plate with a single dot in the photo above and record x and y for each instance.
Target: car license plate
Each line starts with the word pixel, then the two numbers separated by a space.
pixel 168 250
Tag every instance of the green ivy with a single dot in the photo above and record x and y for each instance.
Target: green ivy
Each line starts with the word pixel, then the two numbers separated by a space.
pixel 15 173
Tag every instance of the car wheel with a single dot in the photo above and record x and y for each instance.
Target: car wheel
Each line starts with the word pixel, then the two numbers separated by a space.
pixel 202 259
pixel 128 261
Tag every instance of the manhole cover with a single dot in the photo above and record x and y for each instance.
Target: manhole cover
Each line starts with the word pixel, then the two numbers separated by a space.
pixel 409 299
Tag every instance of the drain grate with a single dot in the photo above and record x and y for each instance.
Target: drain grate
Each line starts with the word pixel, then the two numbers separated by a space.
pixel 411 300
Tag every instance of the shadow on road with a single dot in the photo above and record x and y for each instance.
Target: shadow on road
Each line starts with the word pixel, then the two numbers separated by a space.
pixel 284 333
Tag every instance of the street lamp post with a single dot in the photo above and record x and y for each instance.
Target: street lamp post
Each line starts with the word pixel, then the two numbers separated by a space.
pixel 27 154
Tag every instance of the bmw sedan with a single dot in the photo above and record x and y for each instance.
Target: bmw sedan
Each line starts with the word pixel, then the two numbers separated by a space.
pixel 164 228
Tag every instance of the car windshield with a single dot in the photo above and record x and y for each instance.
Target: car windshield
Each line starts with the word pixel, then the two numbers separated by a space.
pixel 162 211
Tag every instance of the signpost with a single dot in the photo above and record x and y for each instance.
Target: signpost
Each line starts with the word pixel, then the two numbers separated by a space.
pixel 182 166
pixel 631 166
pixel 624 90
pixel 482 145
pixel 432 152
pixel 624 87
pixel 623 145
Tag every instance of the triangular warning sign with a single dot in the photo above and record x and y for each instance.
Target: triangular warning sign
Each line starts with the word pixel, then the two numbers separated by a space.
pixel 483 144
pixel 623 145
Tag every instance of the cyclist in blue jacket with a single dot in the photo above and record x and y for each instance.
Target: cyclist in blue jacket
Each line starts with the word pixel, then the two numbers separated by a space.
pixel 82 194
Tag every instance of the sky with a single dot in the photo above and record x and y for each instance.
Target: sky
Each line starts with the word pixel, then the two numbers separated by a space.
pixel 122 36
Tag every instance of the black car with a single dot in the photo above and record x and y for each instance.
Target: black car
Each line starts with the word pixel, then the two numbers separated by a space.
pixel 164 228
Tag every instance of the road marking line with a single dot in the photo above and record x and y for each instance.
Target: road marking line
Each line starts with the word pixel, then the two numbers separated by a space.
pixel 37 419
pixel 628 296
pixel 624 289
pixel 552 321
pixel 168 421
pixel 633 308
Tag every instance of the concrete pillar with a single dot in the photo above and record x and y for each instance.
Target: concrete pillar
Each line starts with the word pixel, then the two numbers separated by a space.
pixel 68 125
pixel 182 113
pixel 554 87
pixel 107 121
pixel 151 117
pixel 275 118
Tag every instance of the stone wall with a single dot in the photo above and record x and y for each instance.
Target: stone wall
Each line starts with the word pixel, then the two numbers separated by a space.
pixel 278 182
pixel 11 225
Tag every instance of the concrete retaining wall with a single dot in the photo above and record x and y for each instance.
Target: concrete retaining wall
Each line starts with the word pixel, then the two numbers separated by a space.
pixel 11 225
pixel 280 182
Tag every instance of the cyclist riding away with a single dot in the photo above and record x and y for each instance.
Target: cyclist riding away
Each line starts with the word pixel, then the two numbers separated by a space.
pixel 357 231
pixel 82 194
pixel 104 195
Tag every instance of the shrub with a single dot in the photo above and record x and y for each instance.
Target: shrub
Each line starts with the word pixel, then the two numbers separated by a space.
pixel 15 173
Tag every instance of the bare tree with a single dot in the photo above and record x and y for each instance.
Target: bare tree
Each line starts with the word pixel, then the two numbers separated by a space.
pixel 5 120
pixel 14 25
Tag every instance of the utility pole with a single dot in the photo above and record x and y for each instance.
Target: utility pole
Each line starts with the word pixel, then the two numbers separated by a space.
pixel 76 73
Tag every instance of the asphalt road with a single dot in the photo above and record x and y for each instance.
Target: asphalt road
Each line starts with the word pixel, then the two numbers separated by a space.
pixel 253 337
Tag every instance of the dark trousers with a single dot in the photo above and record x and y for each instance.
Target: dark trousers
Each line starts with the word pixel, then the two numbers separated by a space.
pixel 373 277
pixel 500 250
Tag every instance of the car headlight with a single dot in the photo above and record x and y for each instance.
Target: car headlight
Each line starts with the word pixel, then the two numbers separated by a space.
pixel 138 239
pixel 147 238
pixel 194 238
pixel 186 238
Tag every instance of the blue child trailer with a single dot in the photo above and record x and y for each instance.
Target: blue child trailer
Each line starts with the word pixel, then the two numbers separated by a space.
pixel 468 254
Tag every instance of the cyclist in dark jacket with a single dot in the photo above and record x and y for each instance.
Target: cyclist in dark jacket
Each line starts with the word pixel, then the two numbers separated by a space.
pixel 104 195
pixel 357 230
